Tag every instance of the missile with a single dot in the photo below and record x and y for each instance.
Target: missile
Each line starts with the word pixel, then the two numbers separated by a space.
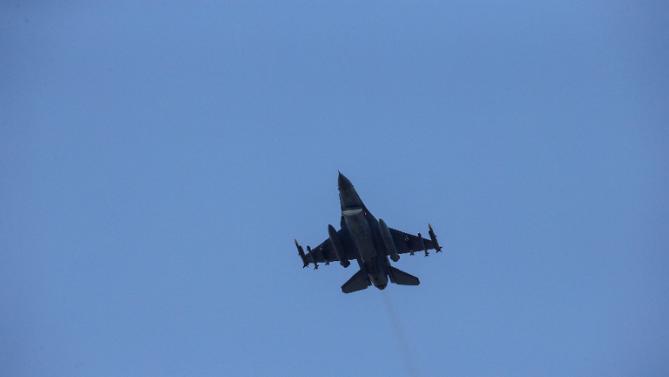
pixel 421 242
pixel 311 256
pixel 300 252
pixel 433 238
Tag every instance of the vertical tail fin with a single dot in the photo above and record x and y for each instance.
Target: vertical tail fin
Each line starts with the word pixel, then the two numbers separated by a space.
pixel 357 282
pixel 402 278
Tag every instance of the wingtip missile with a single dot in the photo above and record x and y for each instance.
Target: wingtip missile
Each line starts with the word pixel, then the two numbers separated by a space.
pixel 433 238
pixel 300 252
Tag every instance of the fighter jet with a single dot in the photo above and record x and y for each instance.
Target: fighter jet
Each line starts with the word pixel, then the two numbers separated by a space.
pixel 368 241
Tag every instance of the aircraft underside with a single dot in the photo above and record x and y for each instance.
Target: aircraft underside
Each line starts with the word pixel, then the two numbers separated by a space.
pixel 368 241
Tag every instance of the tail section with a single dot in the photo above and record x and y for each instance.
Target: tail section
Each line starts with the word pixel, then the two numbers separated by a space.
pixel 401 277
pixel 357 282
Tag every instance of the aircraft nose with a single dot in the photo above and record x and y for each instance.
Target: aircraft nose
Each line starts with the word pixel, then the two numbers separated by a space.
pixel 343 182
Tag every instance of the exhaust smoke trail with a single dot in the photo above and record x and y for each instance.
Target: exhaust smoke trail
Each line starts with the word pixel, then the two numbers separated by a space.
pixel 398 330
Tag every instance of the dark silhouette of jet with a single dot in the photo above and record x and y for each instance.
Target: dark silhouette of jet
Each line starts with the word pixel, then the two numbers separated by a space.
pixel 368 241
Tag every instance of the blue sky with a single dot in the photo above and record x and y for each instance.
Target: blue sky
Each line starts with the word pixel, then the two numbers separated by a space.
pixel 157 160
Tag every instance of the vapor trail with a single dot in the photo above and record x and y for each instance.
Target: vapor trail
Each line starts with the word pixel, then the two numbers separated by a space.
pixel 405 349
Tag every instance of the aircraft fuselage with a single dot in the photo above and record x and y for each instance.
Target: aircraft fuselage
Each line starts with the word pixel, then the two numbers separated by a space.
pixel 363 229
pixel 370 242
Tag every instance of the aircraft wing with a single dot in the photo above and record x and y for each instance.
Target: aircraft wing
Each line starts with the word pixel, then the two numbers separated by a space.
pixel 324 252
pixel 409 243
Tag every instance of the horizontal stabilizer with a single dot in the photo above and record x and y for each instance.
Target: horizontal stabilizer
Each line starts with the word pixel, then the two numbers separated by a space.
pixel 357 282
pixel 402 278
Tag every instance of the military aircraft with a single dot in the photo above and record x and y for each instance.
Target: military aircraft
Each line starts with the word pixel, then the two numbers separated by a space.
pixel 368 241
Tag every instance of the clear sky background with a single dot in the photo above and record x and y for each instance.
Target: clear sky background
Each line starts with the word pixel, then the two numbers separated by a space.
pixel 157 160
